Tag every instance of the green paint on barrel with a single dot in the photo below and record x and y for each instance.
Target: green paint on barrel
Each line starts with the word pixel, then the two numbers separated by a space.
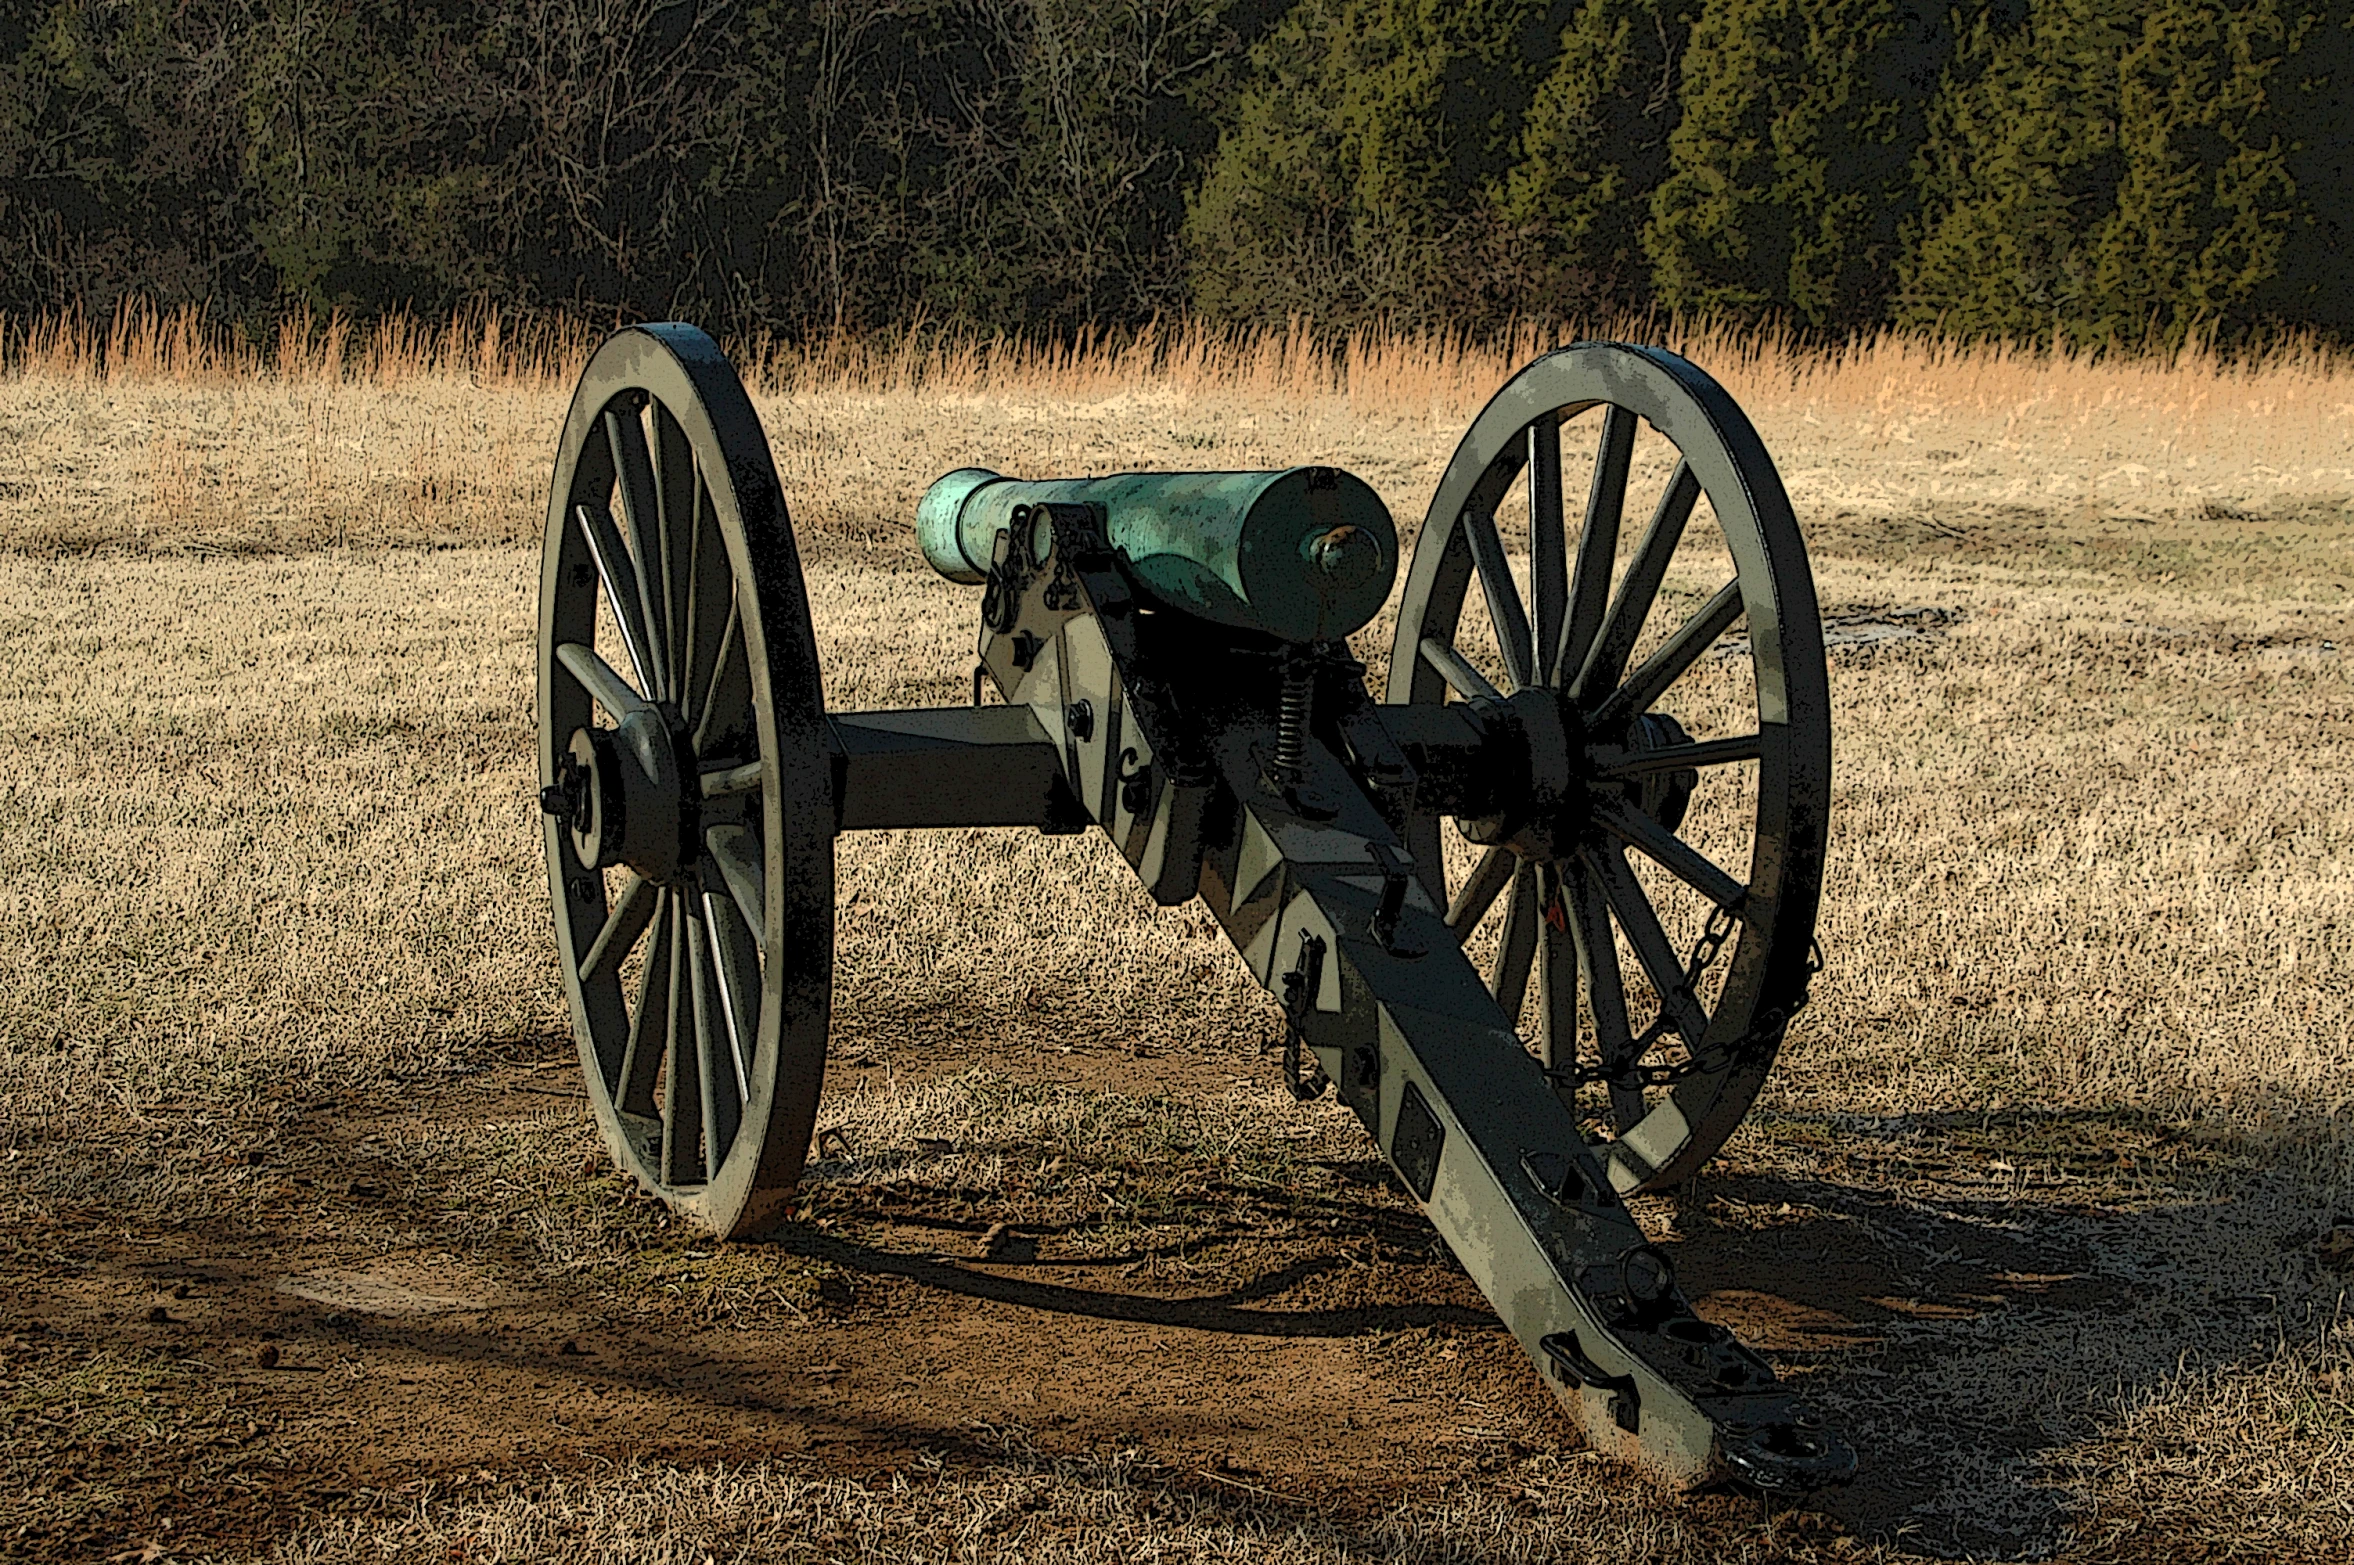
pixel 1305 554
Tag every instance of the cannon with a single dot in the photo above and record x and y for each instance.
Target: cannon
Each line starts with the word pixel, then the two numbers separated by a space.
pixel 1539 913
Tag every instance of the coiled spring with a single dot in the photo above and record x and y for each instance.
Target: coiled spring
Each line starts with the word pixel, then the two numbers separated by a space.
pixel 1298 703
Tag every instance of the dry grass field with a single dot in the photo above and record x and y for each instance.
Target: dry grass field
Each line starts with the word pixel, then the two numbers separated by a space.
pixel 308 1250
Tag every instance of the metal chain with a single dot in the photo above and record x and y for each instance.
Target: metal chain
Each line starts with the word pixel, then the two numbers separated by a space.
pixel 1765 1032
pixel 1303 1073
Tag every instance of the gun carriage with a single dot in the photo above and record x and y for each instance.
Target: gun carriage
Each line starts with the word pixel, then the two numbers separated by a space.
pixel 1470 897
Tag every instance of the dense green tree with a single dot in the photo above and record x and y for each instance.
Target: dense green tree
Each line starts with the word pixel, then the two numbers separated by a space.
pixel 1362 169
pixel 1594 148
pixel 2113 170
pixel 1790 175
pixel 2314 92
pixel 1272 230
pixel 2204 197
pixel 2019 164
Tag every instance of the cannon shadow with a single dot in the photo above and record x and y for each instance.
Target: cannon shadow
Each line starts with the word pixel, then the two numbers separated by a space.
pixel 1966 1341
pixel 1966 1330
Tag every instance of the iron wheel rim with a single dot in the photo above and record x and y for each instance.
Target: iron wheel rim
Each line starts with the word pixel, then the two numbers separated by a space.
pixel 743 703
pixel 1655 1140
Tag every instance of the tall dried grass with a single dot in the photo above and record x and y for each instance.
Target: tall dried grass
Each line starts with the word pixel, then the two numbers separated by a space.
pixel 167 429
pixel 1371 368
pixel 141 343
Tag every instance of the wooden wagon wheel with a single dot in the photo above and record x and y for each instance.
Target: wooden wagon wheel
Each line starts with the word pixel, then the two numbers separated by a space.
pixel 684 774
pixel 1696 769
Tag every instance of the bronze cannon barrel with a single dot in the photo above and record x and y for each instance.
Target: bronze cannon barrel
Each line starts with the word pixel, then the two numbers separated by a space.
pixel 1304 554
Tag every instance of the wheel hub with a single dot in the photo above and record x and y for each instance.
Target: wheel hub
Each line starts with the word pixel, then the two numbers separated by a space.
pixel 1663 796
pixel 1533 736
pixel 1546 775
pixel 621 796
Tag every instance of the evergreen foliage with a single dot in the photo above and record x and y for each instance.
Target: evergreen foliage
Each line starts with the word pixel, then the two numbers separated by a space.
pixel 1594 151
pixel 1790 174
pixel 1359 171
pixel 2118 171
pixel 1420 159
pixel 2106 169
pixel 2314 88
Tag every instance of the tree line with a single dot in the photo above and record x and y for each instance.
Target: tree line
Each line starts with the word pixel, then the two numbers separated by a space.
pixel 2105 169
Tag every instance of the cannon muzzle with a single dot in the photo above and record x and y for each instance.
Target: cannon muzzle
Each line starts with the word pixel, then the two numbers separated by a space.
pixel 1306 554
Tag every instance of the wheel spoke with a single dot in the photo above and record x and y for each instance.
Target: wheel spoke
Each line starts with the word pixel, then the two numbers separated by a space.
pixel 1610 761
pixel 1519 949
pixel 1557 978
pixel 649 1018
pixel 725 782
pixel 1678 857
pixel 1640 589
pixel 1641 922
pixel 715 1077
pixel 1548 546
pixel 1663 668
pixel 723 664
pixel 1606 504
pixel 1495 583
pixel 622 591
pixel 1460 676
pixel 623 925
pixel 633 470
pixel 682 1089
pixel 735 852
pixel 677 486
pixel 738 989
pixel 1606 990
pixel 596 676
pixel 1488 877
pixel 690 665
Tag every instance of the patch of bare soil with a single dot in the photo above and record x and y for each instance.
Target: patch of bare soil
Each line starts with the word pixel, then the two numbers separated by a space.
pixel 318 1351
pixel 362 1329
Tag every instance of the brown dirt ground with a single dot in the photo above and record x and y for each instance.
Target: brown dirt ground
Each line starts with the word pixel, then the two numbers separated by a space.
pixel 322 1358
pixel 332 1361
